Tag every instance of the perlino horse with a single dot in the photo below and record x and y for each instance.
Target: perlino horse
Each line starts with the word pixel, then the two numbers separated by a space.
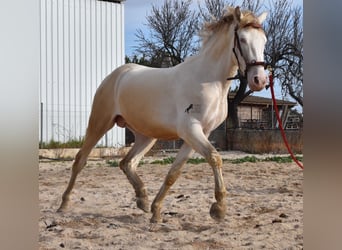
pixel 151 103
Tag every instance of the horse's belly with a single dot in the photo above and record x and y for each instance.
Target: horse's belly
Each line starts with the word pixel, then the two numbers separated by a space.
pixel 151 122
pixel 161 133
pixel 148 112
pixel 154 129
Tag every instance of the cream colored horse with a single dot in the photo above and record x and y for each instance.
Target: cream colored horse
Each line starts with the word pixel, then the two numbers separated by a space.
pixel 187 101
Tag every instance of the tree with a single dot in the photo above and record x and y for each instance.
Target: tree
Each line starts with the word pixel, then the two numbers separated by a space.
pixel 213 9
pixel 284 49
pixel 142 60
pixel 173 27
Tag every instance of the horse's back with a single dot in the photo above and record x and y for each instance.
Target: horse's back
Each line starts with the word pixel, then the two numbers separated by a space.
pixel 144 97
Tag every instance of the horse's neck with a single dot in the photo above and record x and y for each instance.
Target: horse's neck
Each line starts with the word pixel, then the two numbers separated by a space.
pixel 214 62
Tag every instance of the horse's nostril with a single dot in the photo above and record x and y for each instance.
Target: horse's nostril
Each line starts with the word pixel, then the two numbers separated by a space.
pixel 256 79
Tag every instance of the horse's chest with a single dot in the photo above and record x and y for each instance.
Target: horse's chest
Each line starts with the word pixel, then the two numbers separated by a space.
pixel 217 115
pixel 210 114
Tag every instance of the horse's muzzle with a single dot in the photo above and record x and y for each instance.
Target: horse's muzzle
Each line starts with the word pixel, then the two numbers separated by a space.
pixel 257 82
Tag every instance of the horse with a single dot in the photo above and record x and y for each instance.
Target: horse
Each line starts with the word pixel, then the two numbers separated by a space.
pixel 186 101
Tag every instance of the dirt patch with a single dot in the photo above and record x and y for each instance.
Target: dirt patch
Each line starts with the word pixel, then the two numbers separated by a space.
pixel 265 208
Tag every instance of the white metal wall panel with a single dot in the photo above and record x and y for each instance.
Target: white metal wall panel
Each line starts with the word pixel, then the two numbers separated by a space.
pixel 82 41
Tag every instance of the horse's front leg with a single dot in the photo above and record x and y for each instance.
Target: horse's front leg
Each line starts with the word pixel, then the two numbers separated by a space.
pixel 199 141
pixel 218 209
pixel 174 172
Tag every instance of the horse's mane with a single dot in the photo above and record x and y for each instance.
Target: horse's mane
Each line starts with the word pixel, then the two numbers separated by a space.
pixel 224 23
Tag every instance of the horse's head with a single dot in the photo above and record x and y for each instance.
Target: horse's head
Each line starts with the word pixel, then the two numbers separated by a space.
pixel 249 44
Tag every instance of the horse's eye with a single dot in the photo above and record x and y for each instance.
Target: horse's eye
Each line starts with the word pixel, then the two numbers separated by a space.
pixel 243 40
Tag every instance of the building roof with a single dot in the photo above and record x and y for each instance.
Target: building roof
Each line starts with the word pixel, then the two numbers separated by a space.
pixel 112 1
pixel 258 100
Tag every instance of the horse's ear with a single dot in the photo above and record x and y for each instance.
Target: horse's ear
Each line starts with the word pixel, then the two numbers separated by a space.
pixel 262 17
pixel 238 13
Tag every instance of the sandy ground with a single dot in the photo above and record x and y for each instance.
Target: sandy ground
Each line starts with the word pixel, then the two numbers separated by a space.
pixel 265 208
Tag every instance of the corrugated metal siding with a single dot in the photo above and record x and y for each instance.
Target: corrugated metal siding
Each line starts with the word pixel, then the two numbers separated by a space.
pixel 82 41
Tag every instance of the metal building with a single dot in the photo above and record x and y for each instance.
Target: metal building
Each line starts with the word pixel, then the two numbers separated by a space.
pixel 81 42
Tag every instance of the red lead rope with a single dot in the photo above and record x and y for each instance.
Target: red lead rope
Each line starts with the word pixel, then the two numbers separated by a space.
pixel 280 123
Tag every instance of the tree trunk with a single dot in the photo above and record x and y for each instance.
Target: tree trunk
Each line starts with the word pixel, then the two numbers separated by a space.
pixel 233 119
pixel 295 95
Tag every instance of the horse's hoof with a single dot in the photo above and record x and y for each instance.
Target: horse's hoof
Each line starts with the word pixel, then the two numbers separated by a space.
pixel 142 203
pixel 156 219
pixel 156 216
pixel 217 211
pixel 61 209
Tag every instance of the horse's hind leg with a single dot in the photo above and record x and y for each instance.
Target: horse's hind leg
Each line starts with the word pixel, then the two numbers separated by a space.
pixel 183 155
pixel 129 163
pixel 99 124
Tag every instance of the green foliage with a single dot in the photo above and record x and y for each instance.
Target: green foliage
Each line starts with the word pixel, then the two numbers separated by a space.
pixel 245 159
pixel 73 143
pixel 196 160
pixel 284 159
pixel 164 161
pixel 278 159
pixel 113 163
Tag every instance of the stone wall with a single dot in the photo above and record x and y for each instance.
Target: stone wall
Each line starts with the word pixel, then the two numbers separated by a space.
pixel 246 140
pixel 264 141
